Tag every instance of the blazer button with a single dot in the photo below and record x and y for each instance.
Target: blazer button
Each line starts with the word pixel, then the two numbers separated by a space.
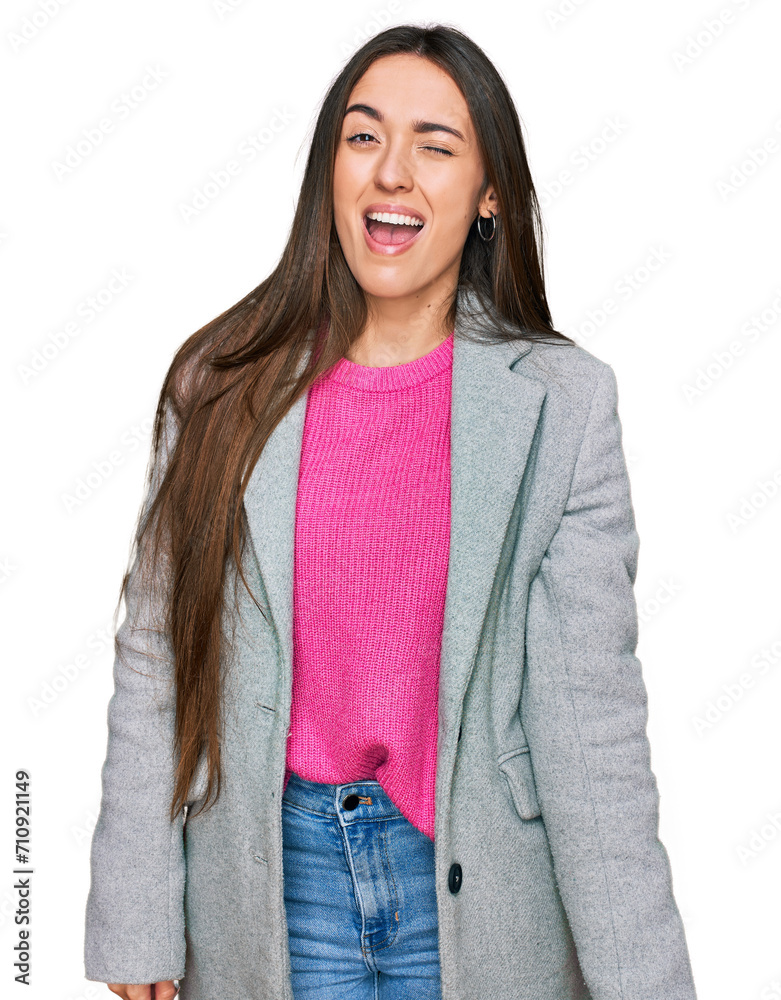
pixel 454 878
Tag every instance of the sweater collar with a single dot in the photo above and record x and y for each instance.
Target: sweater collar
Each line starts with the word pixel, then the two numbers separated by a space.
pixel 389 377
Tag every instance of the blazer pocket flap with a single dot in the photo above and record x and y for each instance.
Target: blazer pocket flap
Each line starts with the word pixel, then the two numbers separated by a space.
pixel 517 769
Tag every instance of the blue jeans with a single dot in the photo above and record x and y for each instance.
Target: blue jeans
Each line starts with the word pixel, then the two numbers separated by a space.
pixel 360 895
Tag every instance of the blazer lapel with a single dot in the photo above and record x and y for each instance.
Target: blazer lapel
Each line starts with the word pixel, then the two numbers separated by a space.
pixel 270 506
pixel 494 414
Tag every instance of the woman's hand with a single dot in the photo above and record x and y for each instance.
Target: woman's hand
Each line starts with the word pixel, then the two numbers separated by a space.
pixel 155 991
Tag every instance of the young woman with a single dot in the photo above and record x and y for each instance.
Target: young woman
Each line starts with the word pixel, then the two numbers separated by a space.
pixel 378 728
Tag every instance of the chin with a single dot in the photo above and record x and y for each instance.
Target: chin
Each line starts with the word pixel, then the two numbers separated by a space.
pixel 388 289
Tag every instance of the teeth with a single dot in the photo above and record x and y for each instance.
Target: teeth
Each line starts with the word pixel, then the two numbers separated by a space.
pixel 396 220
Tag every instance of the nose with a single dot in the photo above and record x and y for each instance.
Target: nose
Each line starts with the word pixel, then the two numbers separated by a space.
pixel 394 169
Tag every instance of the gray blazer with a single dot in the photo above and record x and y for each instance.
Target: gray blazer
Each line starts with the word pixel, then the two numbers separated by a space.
pixel 545 796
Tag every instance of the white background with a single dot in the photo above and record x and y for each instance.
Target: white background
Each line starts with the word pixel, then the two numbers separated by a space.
pixel 675 181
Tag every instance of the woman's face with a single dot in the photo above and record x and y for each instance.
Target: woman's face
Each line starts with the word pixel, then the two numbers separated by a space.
pixel 389 159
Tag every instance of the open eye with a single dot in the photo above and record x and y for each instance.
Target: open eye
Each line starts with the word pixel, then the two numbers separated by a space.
pixel 358 135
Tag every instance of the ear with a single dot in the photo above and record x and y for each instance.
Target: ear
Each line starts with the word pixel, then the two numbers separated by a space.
pixel 488 203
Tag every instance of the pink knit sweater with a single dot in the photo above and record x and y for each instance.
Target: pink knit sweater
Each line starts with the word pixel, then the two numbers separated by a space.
pixel 372 541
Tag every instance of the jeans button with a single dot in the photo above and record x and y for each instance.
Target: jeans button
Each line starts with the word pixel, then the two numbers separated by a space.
pixel 454 879
pixel 350 802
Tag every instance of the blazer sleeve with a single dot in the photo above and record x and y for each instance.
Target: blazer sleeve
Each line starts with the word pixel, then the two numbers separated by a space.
pixel 584 712
pixel 134 927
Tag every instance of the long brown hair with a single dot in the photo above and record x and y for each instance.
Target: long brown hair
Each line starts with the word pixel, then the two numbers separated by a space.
pixel 232 381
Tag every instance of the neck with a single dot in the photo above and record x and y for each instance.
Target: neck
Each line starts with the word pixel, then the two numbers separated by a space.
pixel 399 331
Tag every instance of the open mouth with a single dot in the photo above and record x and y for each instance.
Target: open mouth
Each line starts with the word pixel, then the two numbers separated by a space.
pixel 390 233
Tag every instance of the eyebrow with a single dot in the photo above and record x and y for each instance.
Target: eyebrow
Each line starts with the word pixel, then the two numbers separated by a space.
pixel 417 124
